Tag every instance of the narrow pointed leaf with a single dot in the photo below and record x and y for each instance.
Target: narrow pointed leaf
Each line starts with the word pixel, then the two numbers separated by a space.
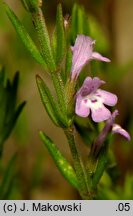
pixel 30 5
pixel 54 43
pixel 43 90
pixel 60 35
pixel 50 104
pixel 63 165
pixel 13 94
pixel 24 36
pixel 9 112
pixel 82 21
pixel 10 123
pixel 101 165
pixel 74 23
pixel 44 40
pixel 68 63
pixel 16 115
pixel 86 22
pixel 25 5
pixel 6 184
pixel 80 24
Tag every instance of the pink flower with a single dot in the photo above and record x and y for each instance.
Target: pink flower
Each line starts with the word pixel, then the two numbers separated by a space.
pixel 118 129
pixel 91 98
pixel 83 53
pixel 109 126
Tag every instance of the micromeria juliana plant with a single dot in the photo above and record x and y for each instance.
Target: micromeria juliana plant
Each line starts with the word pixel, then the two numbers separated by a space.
pixel 64 64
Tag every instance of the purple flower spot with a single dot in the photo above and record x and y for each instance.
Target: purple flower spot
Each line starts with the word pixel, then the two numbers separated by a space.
pixel 85 101
pixel 94 100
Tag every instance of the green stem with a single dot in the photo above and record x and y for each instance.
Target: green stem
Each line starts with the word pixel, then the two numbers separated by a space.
pixel 59 88
pixel 46 51
pixel 78 165
pixel 90 168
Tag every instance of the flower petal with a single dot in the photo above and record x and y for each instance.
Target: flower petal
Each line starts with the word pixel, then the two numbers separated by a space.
pixel 108 98
pixel 86 86
pixel 82 52
pixel 90 85
pixel 118 129
pixel 100 114
pixel 96 82
pixel 81 109
pixel 98 56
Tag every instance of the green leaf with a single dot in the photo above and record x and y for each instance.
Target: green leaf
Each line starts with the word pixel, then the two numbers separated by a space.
pixel 63 165
pixel 101 165
pixel 8 111
pixel 24 36
pixel 9 124
pixel 80 24
pixel 60 35
pixel 68 63
pixel 30 5
pixel 44 40
pixel 83 24
pixel 8 178
pixel 12 96
pixel 25 5
pixel 47 99
pixel 49 103
pixel 74 23
pixel 54 43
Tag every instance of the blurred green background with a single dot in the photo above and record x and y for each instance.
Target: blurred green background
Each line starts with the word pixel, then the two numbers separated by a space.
pixel 37 177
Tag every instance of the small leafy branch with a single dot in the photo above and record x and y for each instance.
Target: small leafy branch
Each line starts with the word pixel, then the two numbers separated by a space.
pixel 9 114
pixel 63 57
pixel 8 110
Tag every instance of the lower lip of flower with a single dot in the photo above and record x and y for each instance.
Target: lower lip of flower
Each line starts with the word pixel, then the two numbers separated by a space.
pixel 91 101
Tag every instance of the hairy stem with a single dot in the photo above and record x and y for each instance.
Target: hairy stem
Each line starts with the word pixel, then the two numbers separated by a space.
pixel 59 88
pixel 78 165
